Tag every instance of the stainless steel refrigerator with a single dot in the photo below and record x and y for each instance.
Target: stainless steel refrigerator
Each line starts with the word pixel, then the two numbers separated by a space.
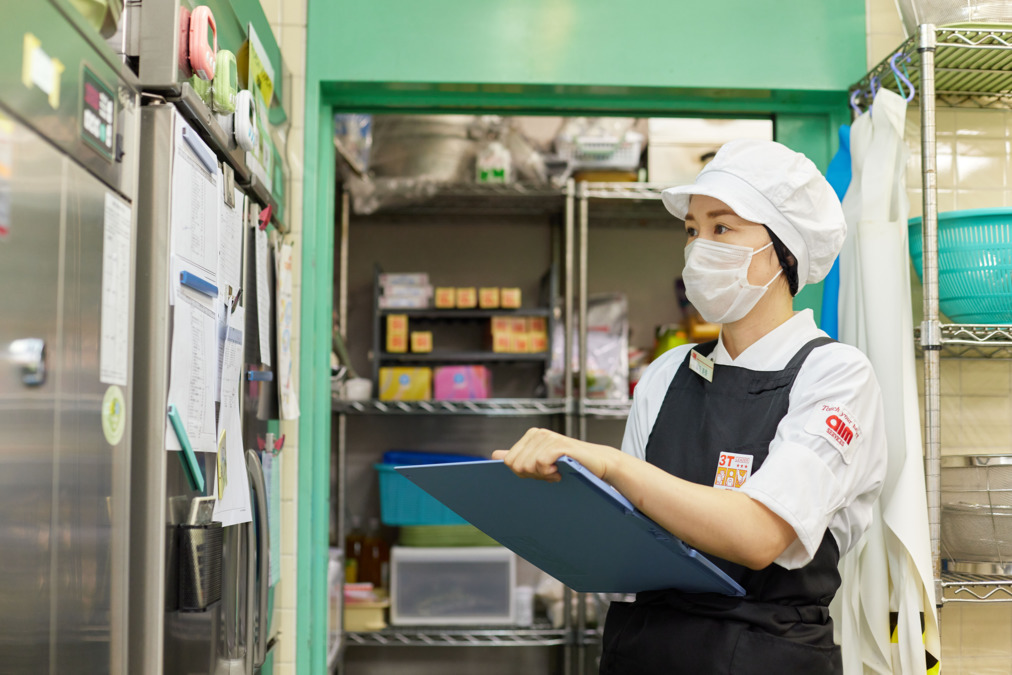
pixel 68 157
pixel 177 627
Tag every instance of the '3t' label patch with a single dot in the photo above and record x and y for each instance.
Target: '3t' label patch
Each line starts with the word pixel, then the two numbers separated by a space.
pixel 732 471
pixel 835 423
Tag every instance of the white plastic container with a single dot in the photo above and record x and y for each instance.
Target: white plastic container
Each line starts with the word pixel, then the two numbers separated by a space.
pixel 462 586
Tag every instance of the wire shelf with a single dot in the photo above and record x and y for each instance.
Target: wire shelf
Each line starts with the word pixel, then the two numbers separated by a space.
pixel 506 407
pixel 650 191
pixel 961 587
pixel 538 636
pixel 468 199
pixel 612 409
pixel 973 68
pixel 334 642
pixel 974 341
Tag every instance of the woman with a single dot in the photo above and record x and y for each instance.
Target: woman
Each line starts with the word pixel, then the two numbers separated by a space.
pixel 764 449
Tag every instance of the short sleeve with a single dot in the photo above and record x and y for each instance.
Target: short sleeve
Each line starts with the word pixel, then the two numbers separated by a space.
pixel 827 461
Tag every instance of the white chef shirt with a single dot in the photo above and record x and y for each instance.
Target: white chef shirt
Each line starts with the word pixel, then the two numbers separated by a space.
pixel 827 461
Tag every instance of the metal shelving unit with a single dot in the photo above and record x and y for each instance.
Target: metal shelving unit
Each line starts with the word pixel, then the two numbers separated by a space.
pixel 540 635
pixel 961 587
pixel 980 341
pixel 965 67
pixel 466 201
pixel 505 407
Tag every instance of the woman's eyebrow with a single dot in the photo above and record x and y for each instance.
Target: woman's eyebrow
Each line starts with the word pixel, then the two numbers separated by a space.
pixel 713 214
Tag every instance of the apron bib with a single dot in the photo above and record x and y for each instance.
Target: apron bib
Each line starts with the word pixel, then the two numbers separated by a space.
pixel 720 431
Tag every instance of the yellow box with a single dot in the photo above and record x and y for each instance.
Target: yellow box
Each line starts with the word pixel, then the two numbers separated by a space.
pixel 397 343
pixel 538 342
pixel 421 341
pixel 405 384
pixel 501 343
pixel 518 325
pixel 397 324
pixel 501 324
pixel 519 343
pixel 537 324
pixel 362 616
pixel 446 298
pixel 467 298
pixel 509 298
pixel 488 298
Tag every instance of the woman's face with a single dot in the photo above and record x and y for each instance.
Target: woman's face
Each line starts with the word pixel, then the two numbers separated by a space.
pixel 712 219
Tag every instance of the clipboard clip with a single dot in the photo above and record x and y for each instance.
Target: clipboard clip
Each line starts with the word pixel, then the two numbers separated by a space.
pixel 265 216
pixel 235 301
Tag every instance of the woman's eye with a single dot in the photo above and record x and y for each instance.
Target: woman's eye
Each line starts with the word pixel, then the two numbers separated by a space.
pixel 720 229
pixel 691 231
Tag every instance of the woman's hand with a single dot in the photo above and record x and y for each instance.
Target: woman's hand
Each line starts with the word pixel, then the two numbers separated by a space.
pixel 535 455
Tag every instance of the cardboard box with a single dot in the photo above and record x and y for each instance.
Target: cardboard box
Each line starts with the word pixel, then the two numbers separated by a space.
pixel 421 341
pixel 501 324
pixel 409 279
pixel 518 325
pixel 488 298
pixel 537 324
pixel 405 384
pixel 509 298
pixel 538 342
pixel 519 343
pixel 446 298
pixel 501 343
pixel 397 324
pixel 462 383
pixel 467 298
pixel 397 343
pixel 397 333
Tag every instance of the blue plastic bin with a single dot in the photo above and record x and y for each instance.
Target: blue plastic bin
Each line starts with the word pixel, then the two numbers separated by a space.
pixel 404 503
pixel 974 264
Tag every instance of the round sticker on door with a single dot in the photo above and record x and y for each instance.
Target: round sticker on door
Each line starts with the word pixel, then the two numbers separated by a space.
pixel 113 415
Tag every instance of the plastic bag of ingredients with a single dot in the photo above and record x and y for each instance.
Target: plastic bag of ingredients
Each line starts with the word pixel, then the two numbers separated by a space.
pixel 607 351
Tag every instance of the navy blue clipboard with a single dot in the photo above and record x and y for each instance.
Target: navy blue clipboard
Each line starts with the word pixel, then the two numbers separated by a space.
pixel 580 530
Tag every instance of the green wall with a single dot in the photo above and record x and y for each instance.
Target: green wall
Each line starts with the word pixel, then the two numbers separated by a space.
pixel 790 60
pixel 815 45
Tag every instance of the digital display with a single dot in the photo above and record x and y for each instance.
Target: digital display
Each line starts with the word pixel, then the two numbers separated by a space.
pixel 98 114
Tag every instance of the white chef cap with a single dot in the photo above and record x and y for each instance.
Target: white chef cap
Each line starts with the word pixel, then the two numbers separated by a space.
pixel 768 183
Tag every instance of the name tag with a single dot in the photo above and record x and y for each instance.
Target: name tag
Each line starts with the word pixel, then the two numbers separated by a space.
pixel 732 471
pixel 701 365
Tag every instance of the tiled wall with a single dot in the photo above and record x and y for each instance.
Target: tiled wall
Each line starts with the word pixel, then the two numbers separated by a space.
pixel 974 165
pixel 288 21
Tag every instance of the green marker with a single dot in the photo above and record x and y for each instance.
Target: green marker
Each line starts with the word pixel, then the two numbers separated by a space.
pixel 189 460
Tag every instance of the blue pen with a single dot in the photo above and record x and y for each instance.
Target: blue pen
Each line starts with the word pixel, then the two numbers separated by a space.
pixel 191 280
pixel 189 460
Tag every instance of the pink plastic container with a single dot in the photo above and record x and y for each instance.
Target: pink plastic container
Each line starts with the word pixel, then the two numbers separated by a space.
pixel 462 383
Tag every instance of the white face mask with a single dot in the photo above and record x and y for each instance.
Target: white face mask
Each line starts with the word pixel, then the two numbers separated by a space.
pixel 716 280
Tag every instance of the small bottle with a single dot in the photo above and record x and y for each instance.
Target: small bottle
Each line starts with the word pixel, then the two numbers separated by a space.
pixel 375 557
pixel 353 545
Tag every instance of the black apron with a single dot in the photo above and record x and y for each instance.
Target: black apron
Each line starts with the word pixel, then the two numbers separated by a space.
pixel 782 625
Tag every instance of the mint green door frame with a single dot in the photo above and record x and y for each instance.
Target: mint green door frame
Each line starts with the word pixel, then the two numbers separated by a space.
pixel 805 121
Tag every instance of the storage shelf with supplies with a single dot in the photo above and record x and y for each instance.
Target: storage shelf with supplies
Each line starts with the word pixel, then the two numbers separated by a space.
pixel 464 314
pixel 536 636
pixel 954 67
pixel 972 67
pixel 505 407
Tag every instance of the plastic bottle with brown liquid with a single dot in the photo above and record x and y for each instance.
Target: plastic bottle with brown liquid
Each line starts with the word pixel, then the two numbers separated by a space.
pixel 354 541
pixel 375 559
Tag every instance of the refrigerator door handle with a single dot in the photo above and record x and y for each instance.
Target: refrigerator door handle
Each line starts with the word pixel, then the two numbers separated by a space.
pixel 29 354
pixel 260 618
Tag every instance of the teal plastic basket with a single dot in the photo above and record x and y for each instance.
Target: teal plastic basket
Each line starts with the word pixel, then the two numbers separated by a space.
pixel 974 264
pixel 404 503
